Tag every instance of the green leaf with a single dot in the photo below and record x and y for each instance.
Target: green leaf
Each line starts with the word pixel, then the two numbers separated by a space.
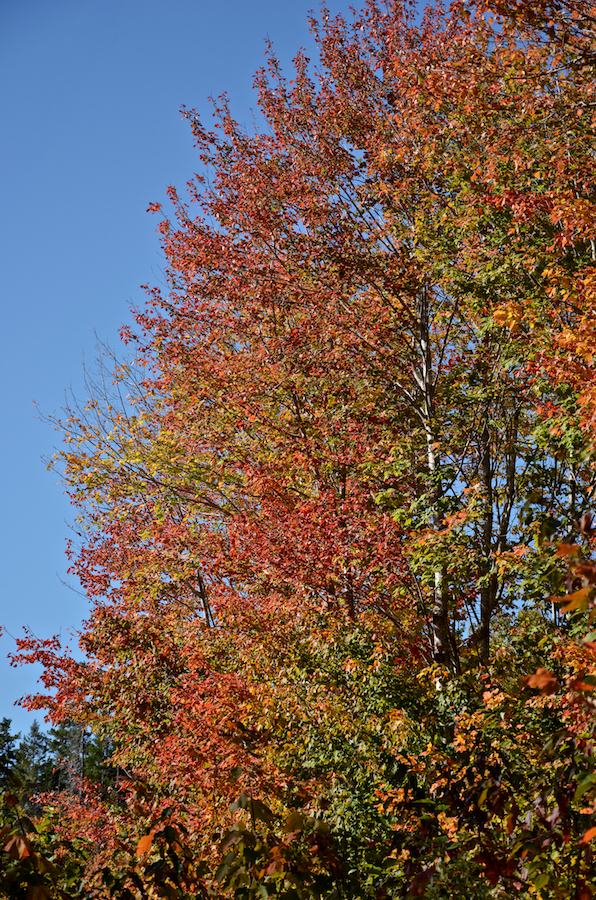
pixel 584 786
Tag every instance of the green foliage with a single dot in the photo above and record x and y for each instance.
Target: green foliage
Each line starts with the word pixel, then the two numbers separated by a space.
pixel 34 770
pixel 8 753
pixel 36 863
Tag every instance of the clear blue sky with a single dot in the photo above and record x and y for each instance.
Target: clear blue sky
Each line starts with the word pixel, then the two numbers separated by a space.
pixel 91 134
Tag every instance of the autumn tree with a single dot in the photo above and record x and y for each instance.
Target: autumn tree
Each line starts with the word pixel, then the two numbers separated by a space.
pixel 336 485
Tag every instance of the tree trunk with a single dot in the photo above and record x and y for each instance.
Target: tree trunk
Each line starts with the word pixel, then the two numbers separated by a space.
pixel 441 643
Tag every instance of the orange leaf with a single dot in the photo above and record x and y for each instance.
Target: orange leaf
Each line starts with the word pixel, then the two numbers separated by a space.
pixel 581 682
pixel 567 549
pixel 577 600
pixel 144 844
pixel 544 680
pixel 590 833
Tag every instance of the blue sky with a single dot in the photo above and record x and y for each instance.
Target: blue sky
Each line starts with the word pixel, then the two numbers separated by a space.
pixel 90 93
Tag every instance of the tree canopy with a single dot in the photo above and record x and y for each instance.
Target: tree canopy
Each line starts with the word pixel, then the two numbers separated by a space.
pixel 334 512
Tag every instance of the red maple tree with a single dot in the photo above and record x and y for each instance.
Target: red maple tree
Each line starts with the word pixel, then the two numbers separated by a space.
pixel 353 432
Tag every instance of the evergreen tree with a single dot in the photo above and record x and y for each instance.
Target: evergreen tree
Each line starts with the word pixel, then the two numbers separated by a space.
pixel 8 754
pixel 96 762
pixel 34 764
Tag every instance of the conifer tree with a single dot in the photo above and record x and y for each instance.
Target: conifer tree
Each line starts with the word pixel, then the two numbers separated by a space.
pixel 8 754
pixel 34 766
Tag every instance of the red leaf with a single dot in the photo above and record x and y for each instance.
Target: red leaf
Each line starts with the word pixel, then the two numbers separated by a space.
pixel 17 847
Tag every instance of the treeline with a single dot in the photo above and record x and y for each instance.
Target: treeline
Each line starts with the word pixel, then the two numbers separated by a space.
pixel 57 760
